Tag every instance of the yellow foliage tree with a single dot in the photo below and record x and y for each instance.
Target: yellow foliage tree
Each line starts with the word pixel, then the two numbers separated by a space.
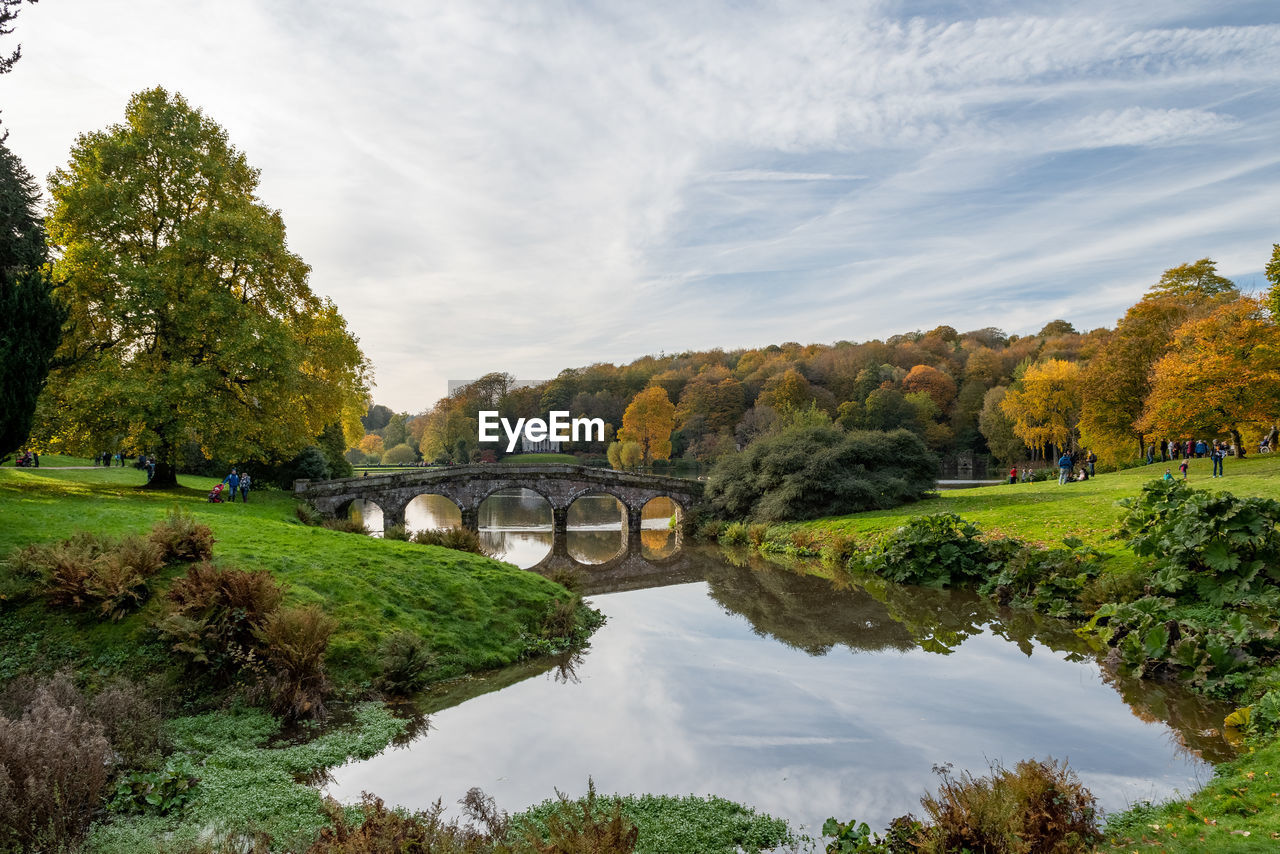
pixel 648 422
pixel 1046 407
pixel 1221 372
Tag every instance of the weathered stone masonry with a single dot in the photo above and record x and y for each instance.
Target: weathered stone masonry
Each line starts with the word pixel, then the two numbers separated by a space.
pixel 468 486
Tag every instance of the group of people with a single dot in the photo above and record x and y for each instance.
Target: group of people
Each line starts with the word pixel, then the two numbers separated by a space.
pixel 1188 449
pixel 1067 471
pixel 106 458
pixel 27 459
pixel 1071 467
pixel 230 485
pixel 1217 454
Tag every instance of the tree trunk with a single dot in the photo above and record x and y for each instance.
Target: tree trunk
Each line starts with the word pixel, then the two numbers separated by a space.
pixel 166 476
pixel 1235 437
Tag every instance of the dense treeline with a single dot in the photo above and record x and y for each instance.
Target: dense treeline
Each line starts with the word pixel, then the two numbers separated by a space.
pixel 1194 358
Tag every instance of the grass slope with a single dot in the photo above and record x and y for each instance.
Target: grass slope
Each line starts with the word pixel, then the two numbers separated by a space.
pixel 1046 512
pixel 474 611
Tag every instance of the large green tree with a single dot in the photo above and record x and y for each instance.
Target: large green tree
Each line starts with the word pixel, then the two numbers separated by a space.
pixel 190 319
pixel 30 319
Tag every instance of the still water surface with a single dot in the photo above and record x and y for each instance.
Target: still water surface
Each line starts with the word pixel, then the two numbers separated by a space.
pixel 794 695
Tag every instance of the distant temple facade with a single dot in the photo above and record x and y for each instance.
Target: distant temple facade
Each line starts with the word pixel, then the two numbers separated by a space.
pixel 546 446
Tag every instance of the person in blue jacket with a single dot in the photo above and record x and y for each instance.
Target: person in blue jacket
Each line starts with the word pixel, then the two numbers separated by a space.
pixel 1064 467
pixel 233 483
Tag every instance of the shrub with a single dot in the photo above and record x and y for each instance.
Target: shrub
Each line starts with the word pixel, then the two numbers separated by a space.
pixel 307 514
pixel 383 830
pixel 569 578
pixel 561 618
pixel 757 534
pixel 802 543
pixel 459 538
pixel 1209 547
pixel 1049 580
pixel 161 791
pixel 405 662
pixel 115 587
pixel 310 464
pixel 395 532
pixel 734 534
pixel 813 470
pixel 294 641
pixel 347 526
pixel 88 571
pixel 1038 807
pixel 132 722
pixel 182 539
pixel 214 614
pixel 583 827
pixel 939 549
pixel 838 548
pixel 709 529
pixel 67 566
pixel 53 771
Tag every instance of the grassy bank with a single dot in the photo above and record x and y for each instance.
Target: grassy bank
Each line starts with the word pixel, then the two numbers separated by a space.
pixel 476 613
pixel 1046 512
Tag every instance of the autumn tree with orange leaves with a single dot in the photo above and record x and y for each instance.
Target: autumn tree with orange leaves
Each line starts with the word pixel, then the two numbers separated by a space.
pixel 648 422
pixel 933 382
pixel 1221 372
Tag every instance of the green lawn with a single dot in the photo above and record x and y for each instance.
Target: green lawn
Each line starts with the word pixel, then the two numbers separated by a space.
pixel 55 461
pixel 1046 512
pixel 474 611
pixel 540 459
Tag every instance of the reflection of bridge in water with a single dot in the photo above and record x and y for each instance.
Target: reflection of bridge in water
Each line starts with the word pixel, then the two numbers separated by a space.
pixel 630 569
pixel 561 485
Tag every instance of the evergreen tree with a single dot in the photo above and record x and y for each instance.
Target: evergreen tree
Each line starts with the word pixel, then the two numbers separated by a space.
pixel 30 318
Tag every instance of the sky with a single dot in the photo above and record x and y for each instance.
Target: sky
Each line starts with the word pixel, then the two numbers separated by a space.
pixel 525 187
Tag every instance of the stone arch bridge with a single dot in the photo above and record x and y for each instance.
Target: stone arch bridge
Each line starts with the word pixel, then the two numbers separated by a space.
pixel 468 486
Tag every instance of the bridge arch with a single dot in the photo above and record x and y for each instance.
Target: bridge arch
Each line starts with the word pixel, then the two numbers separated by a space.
pixel 482 496
pixel 420 510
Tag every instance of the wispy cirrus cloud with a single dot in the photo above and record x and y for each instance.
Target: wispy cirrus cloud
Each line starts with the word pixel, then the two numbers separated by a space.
pixel 484 185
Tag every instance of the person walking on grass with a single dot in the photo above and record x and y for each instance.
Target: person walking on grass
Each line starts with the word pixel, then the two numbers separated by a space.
pixel 1013 475
pixel 244 488
pixel 1064 467
pixel 233 483
pixel 1183 468
pixel 1217 455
